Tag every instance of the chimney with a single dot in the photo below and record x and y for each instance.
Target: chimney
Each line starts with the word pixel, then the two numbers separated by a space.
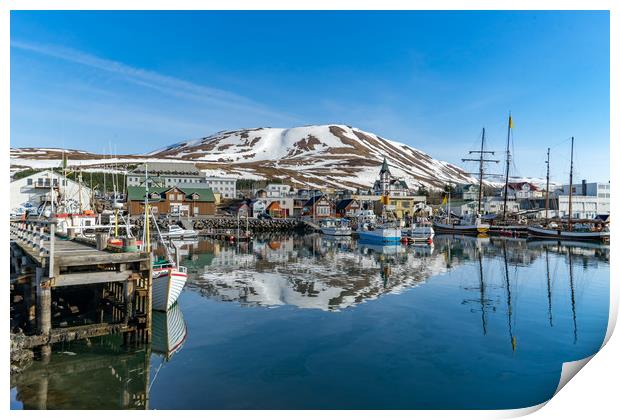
pixel 584 187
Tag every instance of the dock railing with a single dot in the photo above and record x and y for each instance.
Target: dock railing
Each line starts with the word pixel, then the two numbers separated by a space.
pixel 38 235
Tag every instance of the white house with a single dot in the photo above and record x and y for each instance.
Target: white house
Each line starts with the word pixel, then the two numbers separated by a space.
pixel 520 190
pixel 278 190
pixel 32 191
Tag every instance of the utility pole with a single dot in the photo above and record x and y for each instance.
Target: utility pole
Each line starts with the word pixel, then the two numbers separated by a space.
pixel 547 197
pixel 481 160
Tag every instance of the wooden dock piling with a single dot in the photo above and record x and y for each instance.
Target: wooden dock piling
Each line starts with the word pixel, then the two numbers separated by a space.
pixel 42 265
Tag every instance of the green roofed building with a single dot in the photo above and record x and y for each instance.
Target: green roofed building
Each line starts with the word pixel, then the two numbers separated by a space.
pixel 174 201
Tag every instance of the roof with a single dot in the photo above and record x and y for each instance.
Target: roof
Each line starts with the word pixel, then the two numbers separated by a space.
pixel 384 166
pixel 170 168
pixel 313 200
pixel 137 193
pixel 518 186
pixel 343 204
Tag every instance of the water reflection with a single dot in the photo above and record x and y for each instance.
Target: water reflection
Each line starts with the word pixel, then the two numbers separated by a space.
pixel 308 271
pixel 488 326
pixel 317 272
pixel 102 373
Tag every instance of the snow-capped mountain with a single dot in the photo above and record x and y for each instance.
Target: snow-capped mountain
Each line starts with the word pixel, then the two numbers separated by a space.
pixel 321 155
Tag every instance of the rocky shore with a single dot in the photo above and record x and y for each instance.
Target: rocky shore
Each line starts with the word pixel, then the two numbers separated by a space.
pixel 254 225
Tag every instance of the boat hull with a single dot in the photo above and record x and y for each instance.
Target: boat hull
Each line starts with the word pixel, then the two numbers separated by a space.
pixel 333 231
pixel 380 235
pixel 462 229
pixel 169 331
pixel 167 286
pixel 419 233
pixel 537 232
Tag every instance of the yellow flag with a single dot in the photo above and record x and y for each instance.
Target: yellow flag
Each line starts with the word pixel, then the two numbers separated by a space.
pixel 445 199
pixel 510 121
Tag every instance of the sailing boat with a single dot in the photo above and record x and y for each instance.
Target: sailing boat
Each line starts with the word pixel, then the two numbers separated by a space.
pixel 568 231
pixel 475 226
pixel 169 278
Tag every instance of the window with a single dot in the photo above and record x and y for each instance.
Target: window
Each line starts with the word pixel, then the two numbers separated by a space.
pixel 196 210
pixel 29 181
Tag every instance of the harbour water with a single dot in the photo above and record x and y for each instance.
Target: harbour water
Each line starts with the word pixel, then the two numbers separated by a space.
pixel 308 322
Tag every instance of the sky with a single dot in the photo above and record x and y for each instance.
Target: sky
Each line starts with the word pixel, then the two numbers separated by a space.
pixel 136 81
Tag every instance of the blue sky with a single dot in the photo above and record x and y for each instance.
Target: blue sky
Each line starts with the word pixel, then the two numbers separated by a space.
pixel 142 80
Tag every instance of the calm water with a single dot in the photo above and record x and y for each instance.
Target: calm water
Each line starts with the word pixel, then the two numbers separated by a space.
pixel 306 322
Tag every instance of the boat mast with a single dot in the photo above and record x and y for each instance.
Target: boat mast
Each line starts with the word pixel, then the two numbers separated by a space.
pixel 507 163
pixel 146 209
pixel 547 195
pixel 482 160
pixel 570 187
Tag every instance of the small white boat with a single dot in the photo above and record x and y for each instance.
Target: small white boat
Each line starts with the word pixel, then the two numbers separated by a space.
pixel 335 227
pixel 419 233
pixel 176 231
pixel 168 282
pixel 379 234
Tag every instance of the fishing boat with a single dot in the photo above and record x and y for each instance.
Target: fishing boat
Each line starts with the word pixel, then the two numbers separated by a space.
pixel 419 233
pixel 568 231
pixel 168 276
pixel 461 226
pixel 176 231
pixel 335 227
pixel 379 233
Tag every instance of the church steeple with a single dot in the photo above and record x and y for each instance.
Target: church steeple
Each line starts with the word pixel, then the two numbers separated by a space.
pixel 384 167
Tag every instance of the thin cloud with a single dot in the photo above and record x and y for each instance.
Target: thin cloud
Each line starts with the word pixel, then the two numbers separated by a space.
pixel 153 80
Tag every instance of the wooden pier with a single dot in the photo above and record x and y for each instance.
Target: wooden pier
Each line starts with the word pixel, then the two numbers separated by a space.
pixel 48 273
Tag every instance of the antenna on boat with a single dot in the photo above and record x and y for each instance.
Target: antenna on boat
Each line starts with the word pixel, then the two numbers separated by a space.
pixel 507 162
pixel 482 160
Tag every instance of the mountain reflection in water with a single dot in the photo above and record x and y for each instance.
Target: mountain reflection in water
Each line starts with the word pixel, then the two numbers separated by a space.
pixel 319 272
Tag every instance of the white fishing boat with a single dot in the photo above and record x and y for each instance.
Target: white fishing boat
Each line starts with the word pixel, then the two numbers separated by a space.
pixel 168 277
pixel 419 233
pixel 177 232
pixel 379 234
pixel 335 227
pixel 168 282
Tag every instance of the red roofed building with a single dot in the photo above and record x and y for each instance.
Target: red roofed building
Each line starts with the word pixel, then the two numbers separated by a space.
pixel 518 190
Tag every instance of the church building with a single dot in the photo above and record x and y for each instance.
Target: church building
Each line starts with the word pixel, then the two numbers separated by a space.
pixel 389 185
